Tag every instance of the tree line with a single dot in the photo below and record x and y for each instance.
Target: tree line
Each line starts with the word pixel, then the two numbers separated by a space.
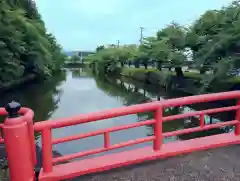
pixel 25 45
pixel 210 44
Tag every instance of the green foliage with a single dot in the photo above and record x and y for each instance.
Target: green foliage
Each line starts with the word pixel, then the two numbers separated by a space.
pixel 166 48
pixel 74 59
pixel 174 34
pixel 25 45
pixel 213 41
pixel 99 48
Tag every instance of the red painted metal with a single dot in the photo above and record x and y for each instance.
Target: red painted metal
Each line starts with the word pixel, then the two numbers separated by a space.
pixel 202 120
pixel 197 113
pixel 23 111
pixel 50 172
pixel 100 150
pixel 99 132
pixel 28 116
pixel 47 150
pixel 237 127
pixel 1 137
pixel 3 112
pixel 197 129
pixel 147 107
pixel 158 129
pixel 19 148
pixel 106 140
pixel 102 163
pixel 157 139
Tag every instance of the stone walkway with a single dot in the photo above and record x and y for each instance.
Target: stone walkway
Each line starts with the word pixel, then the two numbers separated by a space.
pixel 4 175
pixel 220 164
pixel 3 172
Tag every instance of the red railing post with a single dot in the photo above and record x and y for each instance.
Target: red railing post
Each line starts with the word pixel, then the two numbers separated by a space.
pixel 106 140
pixel 158 129
pixel 47 150
pixel 1 137
pixel 237 126
pixel 18 145
pixel 29 120
pixel 202 120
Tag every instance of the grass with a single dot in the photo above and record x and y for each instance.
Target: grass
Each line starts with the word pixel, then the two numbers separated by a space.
pixel 235 79
pixel 192 75
pixel 137 70
pixel 131 70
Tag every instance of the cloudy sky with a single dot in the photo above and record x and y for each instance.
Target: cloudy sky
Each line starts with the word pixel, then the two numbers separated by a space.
pixel 84 24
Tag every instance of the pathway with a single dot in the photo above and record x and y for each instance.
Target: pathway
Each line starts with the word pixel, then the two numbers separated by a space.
pixel 220 164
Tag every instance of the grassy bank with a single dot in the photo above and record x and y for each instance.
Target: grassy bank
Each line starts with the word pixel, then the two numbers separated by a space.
pixel 191 83
pixel 190 75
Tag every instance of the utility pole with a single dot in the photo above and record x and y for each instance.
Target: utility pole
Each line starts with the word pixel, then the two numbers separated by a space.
pixel 141 34
pixel 81 57
pixel 118 43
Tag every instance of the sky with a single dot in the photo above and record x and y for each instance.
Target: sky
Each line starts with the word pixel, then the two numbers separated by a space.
pixel 85 24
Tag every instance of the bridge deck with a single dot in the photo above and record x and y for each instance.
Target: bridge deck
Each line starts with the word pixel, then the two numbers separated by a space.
pixel 116 160
pixel 221 164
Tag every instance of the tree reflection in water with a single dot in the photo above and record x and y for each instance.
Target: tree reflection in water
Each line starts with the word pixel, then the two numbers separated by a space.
pixel 132 94
pixel 42 97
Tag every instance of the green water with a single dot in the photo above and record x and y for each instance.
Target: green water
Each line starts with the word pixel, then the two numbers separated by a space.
pixel 77 91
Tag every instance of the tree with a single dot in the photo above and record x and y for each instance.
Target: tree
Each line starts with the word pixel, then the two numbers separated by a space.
pixel 212 40
pixel 160 52
pixel 172 42
pixel 133 55
pixel 99 48
pixel 75 59
pixel 216 43
pixel 177 58
pixel 26 47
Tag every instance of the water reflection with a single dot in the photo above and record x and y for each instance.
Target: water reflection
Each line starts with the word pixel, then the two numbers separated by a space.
pixel 77 91
pixel 43 98
pixel 132 92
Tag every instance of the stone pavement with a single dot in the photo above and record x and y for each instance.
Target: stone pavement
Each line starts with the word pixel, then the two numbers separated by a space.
pixel 221 164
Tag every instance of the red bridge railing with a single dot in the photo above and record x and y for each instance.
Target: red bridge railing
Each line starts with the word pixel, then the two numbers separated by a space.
pixel 52 170
pixel 1 136
pixel 19 140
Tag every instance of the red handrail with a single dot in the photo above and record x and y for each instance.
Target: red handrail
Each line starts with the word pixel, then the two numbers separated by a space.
pixel 28 115
pixel 19 142
pixel 99 132
pixel 200 113
pixel 1 137
pixel 157 107
pixel 147 107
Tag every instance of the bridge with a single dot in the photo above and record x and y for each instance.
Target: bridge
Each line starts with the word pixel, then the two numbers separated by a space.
pixel 81 54
pixel 18 130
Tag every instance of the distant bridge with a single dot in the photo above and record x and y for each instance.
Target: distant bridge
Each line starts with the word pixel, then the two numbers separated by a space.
pixel 82 54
